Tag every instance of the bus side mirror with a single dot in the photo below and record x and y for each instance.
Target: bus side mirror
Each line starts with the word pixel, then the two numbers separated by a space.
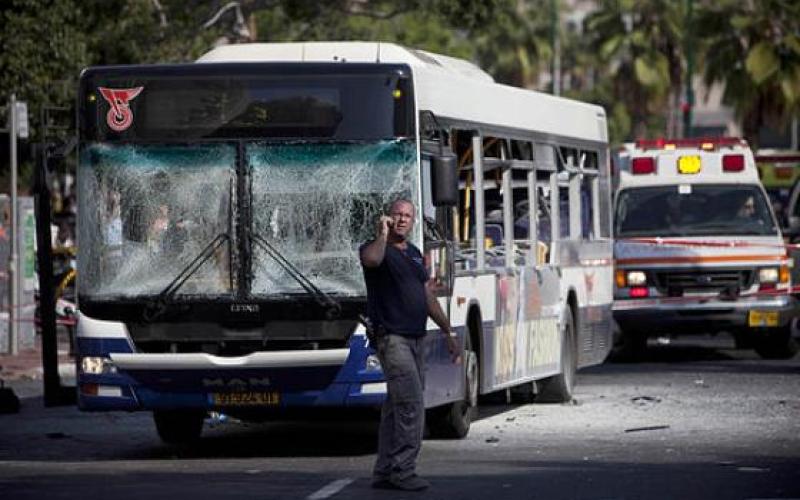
pixel 444 180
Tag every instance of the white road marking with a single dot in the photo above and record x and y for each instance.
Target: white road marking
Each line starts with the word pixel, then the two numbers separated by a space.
pixel 330 489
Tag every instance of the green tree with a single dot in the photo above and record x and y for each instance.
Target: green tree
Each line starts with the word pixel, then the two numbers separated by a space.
pixel 146 31
pixel 753 48
pixel 411 28
pixel 639 43
pixel 44 49
pixel 505 37
pixel 514 46
pixel 46 44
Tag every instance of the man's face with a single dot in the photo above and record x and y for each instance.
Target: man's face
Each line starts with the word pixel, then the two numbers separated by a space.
pixel 402 214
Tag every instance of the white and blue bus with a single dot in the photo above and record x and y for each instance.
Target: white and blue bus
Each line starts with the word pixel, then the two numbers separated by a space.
pixel 222 203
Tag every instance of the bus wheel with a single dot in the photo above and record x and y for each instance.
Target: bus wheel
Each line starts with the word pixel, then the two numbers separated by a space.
pixel 452 421
pixel 777 343
pixel 179 426
pixel 558 388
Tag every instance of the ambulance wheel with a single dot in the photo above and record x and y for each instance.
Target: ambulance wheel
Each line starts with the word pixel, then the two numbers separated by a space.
pixel 777 343
pixel 452 421
pixel 179 426
pixel 558 388
pixel 743 338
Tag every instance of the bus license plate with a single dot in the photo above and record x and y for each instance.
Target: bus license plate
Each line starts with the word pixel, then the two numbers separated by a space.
pixel 762 318
pixel 245 398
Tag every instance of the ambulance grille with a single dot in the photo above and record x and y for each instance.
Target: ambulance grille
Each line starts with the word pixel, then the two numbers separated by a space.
pixel 676 282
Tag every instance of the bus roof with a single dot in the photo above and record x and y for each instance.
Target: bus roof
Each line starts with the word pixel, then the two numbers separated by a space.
pixel 443 85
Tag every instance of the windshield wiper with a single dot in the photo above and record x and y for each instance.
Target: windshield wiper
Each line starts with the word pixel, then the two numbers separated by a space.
pixel 159 305
pixel 331 306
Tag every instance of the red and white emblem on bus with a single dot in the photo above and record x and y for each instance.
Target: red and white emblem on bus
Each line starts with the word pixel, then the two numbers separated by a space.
pixel 120 116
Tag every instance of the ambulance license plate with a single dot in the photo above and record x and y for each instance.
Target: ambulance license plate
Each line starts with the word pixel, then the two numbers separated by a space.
pixel 245 398
pixel 762 318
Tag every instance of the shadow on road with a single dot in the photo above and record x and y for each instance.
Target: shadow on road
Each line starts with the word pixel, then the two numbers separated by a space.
pixel 741 477
pixel 713 354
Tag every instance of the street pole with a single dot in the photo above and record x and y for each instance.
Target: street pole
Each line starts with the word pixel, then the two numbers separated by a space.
pixel 688 105
pixel 13 324
pixel 556 41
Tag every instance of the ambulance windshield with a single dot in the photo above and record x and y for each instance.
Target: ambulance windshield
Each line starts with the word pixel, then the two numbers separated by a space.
pixel 693 210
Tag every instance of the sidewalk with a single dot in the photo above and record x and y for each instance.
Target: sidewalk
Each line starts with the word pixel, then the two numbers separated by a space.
pixel 27 365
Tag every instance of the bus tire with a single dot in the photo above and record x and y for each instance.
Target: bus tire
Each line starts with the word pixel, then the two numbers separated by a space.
pixel 179 426
pixel 452 421
pixel 777 343
pixel 558 388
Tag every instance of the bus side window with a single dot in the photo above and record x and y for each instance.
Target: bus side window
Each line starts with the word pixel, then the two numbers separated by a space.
pixel 590 222
pixel 544 226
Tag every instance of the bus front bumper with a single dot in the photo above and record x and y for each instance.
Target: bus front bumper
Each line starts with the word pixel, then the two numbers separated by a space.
pixel 269 381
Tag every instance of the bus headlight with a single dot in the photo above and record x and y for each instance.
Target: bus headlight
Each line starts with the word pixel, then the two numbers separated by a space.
pixel 97 365
pixel 636 278
pixel 768 275
pixel 373 363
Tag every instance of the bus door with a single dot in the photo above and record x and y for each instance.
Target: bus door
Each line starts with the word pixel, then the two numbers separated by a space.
pixel 544 298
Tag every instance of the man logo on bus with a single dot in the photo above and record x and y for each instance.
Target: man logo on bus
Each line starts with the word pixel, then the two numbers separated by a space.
pixel 120 116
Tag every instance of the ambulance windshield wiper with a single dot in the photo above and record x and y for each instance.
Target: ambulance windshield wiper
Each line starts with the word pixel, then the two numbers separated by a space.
pixel 331 306
pixel 157 307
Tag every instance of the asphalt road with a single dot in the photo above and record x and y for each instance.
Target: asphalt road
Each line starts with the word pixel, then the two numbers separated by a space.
pixel 694 420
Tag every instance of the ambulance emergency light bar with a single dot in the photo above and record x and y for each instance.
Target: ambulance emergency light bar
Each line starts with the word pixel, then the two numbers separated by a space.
pixel 691 164
pixel 704 143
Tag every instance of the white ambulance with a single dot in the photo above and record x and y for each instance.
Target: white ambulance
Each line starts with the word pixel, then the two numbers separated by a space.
pixel 697 248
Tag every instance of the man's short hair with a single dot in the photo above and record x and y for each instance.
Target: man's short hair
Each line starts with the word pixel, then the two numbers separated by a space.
pixel 401 199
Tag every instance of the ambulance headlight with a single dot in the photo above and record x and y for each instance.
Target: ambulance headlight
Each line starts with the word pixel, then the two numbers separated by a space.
pixel 636 278
pixel 768 275
pixel 97 365
pixel 373 363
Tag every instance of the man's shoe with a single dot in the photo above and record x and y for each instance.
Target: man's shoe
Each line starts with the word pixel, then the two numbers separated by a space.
pixel 382 483
pixel 410 483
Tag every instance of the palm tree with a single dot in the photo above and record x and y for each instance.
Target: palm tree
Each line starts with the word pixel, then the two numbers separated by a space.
pixel 637 44
pixel 514 45
pixel 753 47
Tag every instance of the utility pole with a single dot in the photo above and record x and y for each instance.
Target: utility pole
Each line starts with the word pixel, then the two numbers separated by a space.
pixel 688 103
pixel 556 43
pixel 13 303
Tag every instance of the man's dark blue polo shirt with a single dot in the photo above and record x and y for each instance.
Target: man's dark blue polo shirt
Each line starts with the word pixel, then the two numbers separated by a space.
pixel 396 291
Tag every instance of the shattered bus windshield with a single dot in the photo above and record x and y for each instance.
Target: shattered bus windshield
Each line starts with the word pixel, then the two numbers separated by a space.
pixel 154 209
pixel 146 211
pixel 693 210
pixel 316 203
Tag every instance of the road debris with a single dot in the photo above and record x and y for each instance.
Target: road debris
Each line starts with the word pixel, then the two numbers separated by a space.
pixel 645 400
pixel 647 428
pixel 752 469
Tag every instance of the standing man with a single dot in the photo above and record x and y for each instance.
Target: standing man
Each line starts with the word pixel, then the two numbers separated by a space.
pixel 399 301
